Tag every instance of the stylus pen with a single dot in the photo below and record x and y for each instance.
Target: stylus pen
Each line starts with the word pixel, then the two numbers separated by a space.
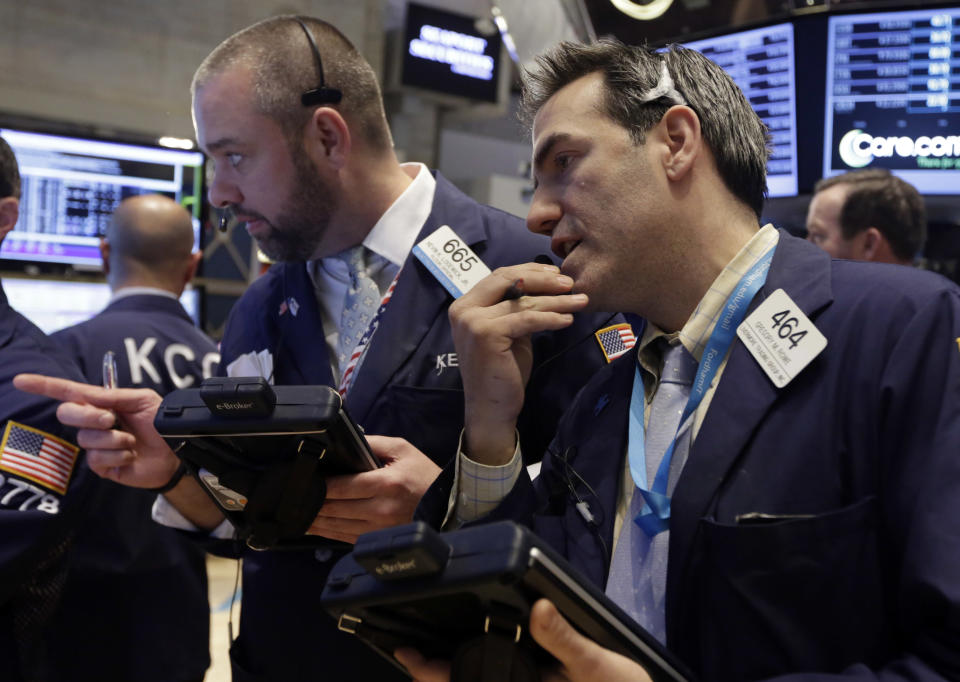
pixel 109 369
pixel 514 291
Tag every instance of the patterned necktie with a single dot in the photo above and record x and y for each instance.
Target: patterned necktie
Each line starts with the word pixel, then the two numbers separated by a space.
pixel 359 305
pixel 638 571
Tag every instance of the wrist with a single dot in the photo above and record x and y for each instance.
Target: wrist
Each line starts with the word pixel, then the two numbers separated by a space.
pixel 491 446
pixel 174 479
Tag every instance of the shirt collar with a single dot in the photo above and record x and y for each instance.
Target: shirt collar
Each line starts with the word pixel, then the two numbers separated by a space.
pixel 124 292
pixel 695 333
pixel 394 234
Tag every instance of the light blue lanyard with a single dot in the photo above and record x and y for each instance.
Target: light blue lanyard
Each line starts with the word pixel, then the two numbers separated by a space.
pixel 655 515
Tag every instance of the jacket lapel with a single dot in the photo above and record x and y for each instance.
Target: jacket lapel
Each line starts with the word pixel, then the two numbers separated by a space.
pixel 418 300
pixel 742 399
pixel 598 460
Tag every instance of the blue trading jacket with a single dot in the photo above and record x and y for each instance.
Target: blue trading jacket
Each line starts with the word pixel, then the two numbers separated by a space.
pixel 38 515
pixel 815 529
pixel 135 603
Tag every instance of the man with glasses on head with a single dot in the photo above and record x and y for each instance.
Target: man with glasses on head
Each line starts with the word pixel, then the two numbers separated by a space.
pixel 773 474
pixel 292 118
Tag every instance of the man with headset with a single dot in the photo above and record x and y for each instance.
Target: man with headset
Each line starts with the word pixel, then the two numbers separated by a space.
pixel 292 118
pixel 130 578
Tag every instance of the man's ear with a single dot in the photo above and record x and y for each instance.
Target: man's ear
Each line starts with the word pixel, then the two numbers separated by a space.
pixel 191 272
pixel 681 132
pixel 328 137
pixel 105 256
pixel 9 214
pixel 868 244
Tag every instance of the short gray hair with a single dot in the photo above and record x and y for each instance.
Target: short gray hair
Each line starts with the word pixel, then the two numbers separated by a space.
pixel 278 54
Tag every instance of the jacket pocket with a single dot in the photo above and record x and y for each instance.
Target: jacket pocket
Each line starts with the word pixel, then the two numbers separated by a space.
pixel 793 592
pixel 430 418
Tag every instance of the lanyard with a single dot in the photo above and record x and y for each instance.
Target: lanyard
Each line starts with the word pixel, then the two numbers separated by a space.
pixel 655 515
pixel 361 350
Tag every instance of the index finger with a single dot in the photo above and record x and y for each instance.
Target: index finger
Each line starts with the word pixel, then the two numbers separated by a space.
pixel 65 390
pixel 538 279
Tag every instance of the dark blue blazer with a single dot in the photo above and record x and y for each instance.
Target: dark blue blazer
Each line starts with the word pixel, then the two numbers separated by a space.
pixel 37 522
pixel 135 603
pixel 856 463
pixel 408 386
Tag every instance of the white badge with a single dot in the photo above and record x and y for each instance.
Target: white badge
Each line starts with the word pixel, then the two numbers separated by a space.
pixel 781 338
pixel 451 261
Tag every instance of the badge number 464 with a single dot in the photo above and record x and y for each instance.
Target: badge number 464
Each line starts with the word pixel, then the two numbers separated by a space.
pixel 781 338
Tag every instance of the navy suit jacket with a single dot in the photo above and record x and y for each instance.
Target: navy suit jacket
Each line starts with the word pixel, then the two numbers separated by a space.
pixel 856 464
pixel 37 521
pixel 408 386
pixel 135 606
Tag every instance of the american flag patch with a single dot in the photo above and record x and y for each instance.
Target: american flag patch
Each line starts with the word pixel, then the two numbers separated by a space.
pixel 616 340
pixel 38 456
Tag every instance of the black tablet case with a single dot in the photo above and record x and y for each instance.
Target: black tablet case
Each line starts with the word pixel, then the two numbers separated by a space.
pixel 262 453
pixel 440 593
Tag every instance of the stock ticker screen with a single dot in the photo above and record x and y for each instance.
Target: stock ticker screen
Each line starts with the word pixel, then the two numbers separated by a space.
pixel 761 63
pixel 893 96
pixel 71 186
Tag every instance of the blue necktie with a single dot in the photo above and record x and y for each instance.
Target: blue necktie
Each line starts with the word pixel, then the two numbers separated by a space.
pixel 359 305
pixel 638 571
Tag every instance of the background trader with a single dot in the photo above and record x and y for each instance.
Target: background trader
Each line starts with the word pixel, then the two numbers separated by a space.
pixel 868 214
pixel 45 486
pixel 135 604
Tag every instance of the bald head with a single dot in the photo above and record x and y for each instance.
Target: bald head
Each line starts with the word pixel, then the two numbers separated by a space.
pixel 149 242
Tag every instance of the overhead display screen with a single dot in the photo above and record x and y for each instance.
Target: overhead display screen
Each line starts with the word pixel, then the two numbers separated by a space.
pixel 761 63
pixel 893 96
pixel 71 186
pixel 445 53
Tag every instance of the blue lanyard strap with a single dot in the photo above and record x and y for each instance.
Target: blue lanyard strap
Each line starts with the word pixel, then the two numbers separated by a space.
pixel 655 515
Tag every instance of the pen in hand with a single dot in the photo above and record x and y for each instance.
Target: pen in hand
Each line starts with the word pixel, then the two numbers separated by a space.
pixel 109 369
pixel 514 291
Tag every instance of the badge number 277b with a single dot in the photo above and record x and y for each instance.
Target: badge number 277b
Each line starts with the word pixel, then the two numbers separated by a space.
pixel 26 496
pixel 781 338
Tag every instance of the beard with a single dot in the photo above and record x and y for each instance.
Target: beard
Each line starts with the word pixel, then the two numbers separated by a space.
pixel 296 233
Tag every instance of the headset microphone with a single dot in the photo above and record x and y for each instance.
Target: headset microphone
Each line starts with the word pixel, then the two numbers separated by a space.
pixel 223 222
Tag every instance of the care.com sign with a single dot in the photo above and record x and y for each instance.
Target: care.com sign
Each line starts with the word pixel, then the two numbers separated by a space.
pixel 858 148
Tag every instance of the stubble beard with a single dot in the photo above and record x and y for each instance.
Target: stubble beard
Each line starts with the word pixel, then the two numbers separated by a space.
pixel 297 232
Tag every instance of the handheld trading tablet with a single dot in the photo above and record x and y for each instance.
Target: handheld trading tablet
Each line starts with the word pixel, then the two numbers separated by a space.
pixel 262 453
pixel 466 596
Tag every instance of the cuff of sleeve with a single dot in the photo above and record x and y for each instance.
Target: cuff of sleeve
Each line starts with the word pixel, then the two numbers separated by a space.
pixel 166 514
pixel 479 488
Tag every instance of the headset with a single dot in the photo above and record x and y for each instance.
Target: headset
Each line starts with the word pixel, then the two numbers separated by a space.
pixel 322 94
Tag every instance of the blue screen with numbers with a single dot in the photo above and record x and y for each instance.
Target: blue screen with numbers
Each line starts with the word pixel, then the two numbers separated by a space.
pixel 761 62
pixel 893 96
